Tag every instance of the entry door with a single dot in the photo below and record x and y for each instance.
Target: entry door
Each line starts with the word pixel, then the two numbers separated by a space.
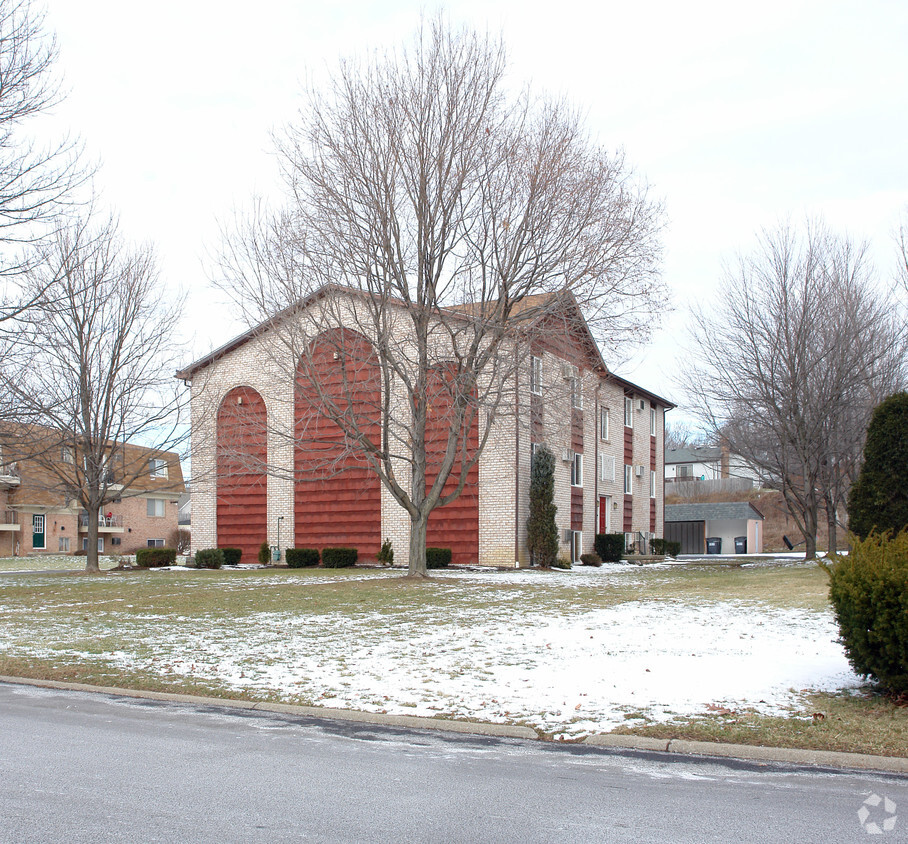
pixel 38 542
pixel 605 514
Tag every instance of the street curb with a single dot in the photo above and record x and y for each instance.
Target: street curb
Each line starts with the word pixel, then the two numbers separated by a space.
pixel 409 721
pixel 755 753
pixel 745 752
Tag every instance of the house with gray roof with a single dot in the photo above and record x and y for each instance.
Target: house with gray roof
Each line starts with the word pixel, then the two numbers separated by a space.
pixel 715 527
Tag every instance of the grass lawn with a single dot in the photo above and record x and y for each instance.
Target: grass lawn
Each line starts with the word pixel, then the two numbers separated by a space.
pixel 726 654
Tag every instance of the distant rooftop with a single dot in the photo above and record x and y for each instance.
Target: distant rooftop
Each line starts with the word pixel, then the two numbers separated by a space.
pixel 711 511
pixel 704 454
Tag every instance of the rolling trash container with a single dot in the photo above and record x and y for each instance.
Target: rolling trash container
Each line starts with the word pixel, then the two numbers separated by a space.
pixel 740 544
pixel 713 544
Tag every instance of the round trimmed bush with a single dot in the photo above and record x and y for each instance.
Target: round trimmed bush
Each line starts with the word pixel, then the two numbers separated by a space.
pixel 298 558
pixel 338 558
pixel 150 558
pixel 869 592
pixel 232 556
pixel 209 558
pixel 438 558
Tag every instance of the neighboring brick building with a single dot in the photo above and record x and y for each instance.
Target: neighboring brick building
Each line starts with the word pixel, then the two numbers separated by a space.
pixel 37 515
pixel 250 471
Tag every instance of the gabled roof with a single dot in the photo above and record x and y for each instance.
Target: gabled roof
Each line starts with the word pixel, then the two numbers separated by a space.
pixel 575 317
pixel 711 511
pixel 703 454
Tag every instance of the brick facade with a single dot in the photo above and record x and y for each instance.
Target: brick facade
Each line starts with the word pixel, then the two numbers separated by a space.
pixel 504 469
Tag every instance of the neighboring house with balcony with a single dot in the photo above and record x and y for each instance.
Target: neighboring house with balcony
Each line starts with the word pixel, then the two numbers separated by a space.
pixel 38 515
pixel 705 463
pixel 252 479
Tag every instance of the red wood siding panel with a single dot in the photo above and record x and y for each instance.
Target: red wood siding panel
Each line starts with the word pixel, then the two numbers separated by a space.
pixel 455 526
pixel 577 430
pixel 337 498
pixel 242 484
pixel 537 433
pixel 652 514
pixel 652 454
pixel 576 508
pixel 629 446
pixel 628 513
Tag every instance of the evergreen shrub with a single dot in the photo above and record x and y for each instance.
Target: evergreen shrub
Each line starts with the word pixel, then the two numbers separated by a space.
pixel 152 558
pixel 385 556
pixel 232 556
pixel 869 593
pixel 209 558
pixel 264 553
pixel 339 558
pixel 438 558
pixel 590 560
pixel 542 532
pixel 609 546
pixel 298 558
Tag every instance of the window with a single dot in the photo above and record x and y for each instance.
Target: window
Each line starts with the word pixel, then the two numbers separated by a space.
pixel 158 469
pixel 63 544
pixel 100 544
pixel 67 456
pixel 576 545
pixel 628 479
pixel 628 412
pixel 156 507
pixel 603 424
pixel 652 421
pixel 576 394
pixel 116 540
pixel 577 470
pixel 534 447
pixel 686 471
pixel 536 375
pixel 652 484
pixel 155 543
pixel 606 468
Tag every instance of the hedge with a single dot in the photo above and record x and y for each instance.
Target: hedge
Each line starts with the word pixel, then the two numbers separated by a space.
pixel 210 558
pixel 232 556
pixel 869 592
pixel 152 558
pixel 590 560
pixel 339 558
pixel 438 558
pixel 609 546
pixel 298 558
pixel 666 546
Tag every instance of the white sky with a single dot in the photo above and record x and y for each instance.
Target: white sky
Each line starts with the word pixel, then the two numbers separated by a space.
pixel 738 115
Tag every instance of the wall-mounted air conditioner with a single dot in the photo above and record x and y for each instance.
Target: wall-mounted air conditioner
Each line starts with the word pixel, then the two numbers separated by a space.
pixel 639 471
pixel 567 456
pixel 567 535
pixel 568 371
pixel 642 405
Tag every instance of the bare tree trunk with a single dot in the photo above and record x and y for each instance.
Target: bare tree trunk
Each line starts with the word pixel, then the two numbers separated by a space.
pixel 831 525
pixel 91 560
pixel 418 525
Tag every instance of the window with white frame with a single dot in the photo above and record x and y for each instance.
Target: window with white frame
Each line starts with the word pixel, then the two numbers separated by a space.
pixel 652 484
pixel 576 393
pixel 652 421
pixel 606 468
pixel 534 447
pixel 100 544
pixel 577 470
pixel 603 424
pixel 158 468
pixel 67 455
pixel 155 507
pixel 63 544
pixel 155 543
pixel 536 375
pixel 628 412
pixel 628 479
pixel 576 545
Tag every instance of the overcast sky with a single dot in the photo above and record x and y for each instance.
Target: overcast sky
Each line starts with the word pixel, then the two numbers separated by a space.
pixel 738 116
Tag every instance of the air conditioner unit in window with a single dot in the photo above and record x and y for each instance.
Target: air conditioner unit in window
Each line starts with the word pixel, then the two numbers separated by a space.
pixel 567 456
pixel 642 405
pixel 568 371
pixel 639 471
pixel 567 535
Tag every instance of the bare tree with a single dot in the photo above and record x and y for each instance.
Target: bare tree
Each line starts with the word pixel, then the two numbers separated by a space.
pixel 682 434
pixel 93 368
pixel 448 223
pixel 803 347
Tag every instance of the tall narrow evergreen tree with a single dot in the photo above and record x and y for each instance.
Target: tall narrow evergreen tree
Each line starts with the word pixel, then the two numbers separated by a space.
pixel 879 498
pixel 542 534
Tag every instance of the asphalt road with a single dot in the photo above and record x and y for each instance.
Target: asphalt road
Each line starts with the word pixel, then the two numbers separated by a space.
pixel 79 767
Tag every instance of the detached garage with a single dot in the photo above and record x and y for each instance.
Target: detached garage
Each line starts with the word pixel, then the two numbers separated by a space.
pixel 725 527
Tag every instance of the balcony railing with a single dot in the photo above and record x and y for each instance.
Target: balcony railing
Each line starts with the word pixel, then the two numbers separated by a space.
pixel 103 522
pixel 9 517
pixel 9 474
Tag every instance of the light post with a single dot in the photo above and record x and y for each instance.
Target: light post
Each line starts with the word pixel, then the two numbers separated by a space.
pixel 279 520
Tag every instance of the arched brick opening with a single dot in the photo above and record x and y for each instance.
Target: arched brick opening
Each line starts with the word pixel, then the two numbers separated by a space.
pixel 242 483
pixel 337 498
pixel 456 525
